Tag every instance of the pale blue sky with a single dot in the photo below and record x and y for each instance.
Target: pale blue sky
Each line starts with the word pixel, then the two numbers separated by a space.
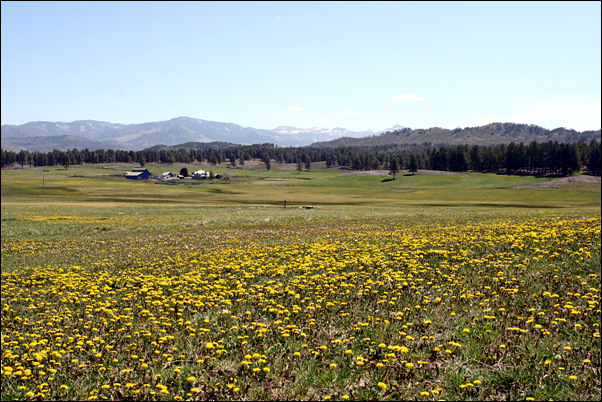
pixel 358 65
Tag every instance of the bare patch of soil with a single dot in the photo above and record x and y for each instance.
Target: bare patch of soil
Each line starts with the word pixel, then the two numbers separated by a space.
pixel 562 181
pixel 366 173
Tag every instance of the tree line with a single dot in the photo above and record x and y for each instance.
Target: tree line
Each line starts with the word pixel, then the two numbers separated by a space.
pixel 546 158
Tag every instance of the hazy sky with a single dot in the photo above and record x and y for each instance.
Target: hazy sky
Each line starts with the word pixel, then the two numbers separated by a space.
pixel 358 65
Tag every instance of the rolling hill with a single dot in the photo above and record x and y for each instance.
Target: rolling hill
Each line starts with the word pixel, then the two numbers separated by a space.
pixel 491 134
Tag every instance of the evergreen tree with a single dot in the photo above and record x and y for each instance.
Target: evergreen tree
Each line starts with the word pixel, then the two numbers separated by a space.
pixel 393 166
pixel 593 160
pixel 413 166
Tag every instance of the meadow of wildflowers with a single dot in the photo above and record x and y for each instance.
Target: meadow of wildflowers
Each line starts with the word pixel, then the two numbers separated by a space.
pixel 481 307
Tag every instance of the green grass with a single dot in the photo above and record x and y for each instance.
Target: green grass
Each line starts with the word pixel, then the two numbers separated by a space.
pixel 323 187
pixel 111 289
pixel 259 196
pixel 252 197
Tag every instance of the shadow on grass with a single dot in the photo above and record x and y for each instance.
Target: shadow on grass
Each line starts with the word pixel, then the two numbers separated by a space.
pixel 387 179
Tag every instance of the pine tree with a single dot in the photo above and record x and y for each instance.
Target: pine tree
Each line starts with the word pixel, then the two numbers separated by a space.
pixel 393 166
pixel 413 166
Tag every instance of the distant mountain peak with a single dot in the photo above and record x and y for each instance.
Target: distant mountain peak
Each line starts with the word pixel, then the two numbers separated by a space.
pixel 394 128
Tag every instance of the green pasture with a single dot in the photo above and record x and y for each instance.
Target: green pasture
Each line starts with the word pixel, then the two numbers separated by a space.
pixel 254 195
pixel 324 188
pixel 321 186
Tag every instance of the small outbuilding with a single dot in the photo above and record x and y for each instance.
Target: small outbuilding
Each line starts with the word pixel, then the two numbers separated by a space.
pixel 138 174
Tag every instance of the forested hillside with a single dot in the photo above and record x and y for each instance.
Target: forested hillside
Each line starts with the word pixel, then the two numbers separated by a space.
pixel 491 134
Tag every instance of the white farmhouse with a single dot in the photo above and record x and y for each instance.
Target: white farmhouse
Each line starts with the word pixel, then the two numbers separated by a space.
pixel 200 174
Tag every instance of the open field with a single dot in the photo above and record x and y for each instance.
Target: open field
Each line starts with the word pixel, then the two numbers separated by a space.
pixel 426 287
pixel 321 187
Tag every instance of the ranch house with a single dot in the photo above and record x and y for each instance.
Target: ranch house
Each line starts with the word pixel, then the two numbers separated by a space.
pixel 200 174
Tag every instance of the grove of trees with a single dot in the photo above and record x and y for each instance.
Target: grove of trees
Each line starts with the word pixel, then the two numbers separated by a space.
pixel 547 158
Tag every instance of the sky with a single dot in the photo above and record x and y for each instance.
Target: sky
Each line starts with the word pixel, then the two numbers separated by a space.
pixel 355 65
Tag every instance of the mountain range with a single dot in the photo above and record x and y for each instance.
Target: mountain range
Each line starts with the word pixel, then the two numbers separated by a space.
pixel 44 136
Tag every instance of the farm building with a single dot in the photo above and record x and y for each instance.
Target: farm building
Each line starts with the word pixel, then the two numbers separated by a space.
pixel 200 174
pixel 138 174
pixel 164 176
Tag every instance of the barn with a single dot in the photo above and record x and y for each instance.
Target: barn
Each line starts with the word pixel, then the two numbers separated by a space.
pixel 138 174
